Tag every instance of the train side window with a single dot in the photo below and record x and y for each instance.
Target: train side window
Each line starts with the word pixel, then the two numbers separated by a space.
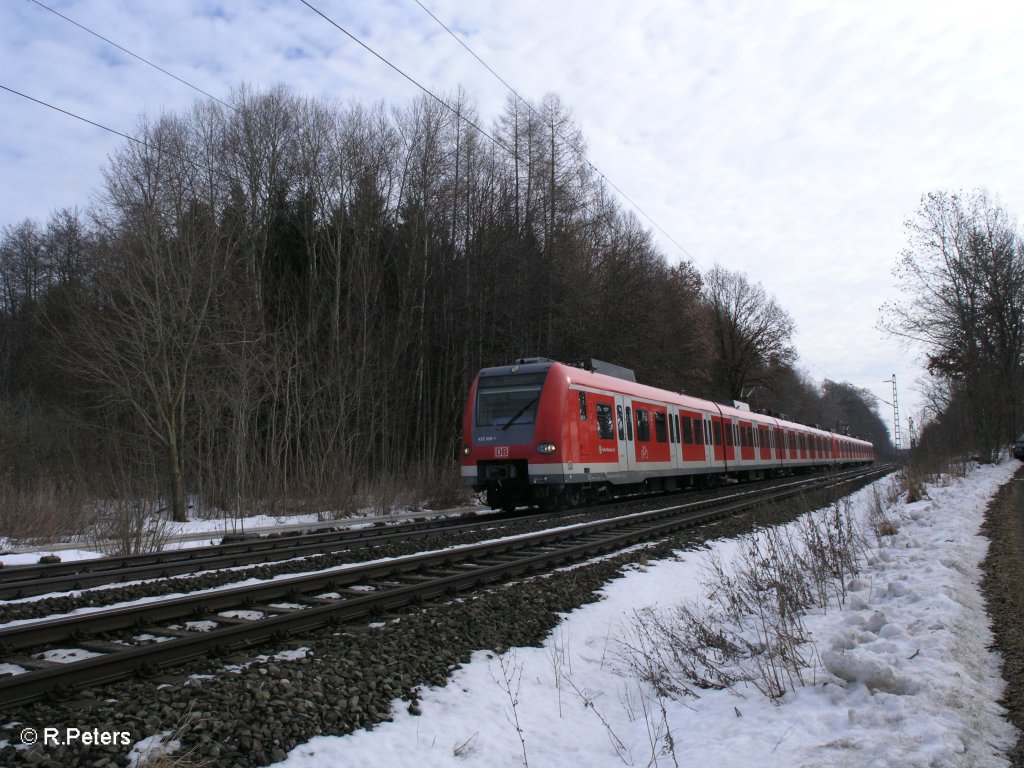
pixel 679 434
pixel 583 406
pixel 605 428
pixel 729 429
pixel 707 431
pixel 660 433
pixel 618 418
pixel 629 422
pixel 671 429
pixel 717 426
pixel 643 425
pixel 687 430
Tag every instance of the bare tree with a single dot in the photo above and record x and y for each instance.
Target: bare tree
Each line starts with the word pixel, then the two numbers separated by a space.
pixel 138 342
pixel 751 334
pixel 284 298
pixel 963 274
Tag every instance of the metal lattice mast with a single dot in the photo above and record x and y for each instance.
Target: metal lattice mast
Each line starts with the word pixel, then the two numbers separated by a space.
pixel 895 413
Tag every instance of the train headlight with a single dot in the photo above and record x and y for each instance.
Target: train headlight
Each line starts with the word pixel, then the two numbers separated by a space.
pixel 546 448
pixel 466 450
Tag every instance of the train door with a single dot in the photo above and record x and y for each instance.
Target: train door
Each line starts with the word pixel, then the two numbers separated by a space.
pixel 675 438
pixel 624 434
pixel 595 426
pixel 709 440
pixel 692 447
pixel 719 426
pixel 716 439
pixel 729 440
pixel 764 443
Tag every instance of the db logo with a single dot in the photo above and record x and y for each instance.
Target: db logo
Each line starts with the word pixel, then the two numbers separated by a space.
pixel 501 452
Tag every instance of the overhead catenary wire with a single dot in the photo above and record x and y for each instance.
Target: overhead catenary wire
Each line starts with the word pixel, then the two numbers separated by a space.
pixel 411 79
pixel 589 163
pixel 134 55
pixel 585 159
pixel 141 142
pixel 495 139
pixel 473 124
pixel 485 133
pixel 863 390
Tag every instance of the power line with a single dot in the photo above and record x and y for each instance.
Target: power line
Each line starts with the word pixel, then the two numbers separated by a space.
pixel 140 142
pixel 494 139
pixel 134 55
pixel 867 392
pixel 72 114
pixel 476 127
pixel 410 78
pixel 473 54
pixel 591 165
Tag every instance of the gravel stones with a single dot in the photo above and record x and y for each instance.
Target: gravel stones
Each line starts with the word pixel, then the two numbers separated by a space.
pixel 53 606
pixel 252 714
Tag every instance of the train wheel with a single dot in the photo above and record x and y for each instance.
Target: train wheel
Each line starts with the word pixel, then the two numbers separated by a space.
pixel 498 500
pixel 551 503
pixel 573 498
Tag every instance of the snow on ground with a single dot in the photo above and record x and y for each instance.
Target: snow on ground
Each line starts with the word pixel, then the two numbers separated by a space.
pixel 907 677
pixel 31 558
pixel 204 531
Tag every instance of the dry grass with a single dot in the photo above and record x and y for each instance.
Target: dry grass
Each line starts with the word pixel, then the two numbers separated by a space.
pixel 166 752
pixel 751 629
pixel 416 488
pixel 42 512
pixel 881 518
pixel 128 527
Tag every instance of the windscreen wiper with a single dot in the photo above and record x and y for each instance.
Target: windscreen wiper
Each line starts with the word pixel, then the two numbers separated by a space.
pixel 519 413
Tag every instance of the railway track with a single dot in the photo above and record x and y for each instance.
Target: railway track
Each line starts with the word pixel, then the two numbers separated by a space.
pixel 22 581
pixel 287 607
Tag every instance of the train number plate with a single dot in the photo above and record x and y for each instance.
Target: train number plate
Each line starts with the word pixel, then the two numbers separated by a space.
pixel 501 452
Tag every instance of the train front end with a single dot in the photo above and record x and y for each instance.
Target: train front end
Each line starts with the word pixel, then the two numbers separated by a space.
pixel 511 434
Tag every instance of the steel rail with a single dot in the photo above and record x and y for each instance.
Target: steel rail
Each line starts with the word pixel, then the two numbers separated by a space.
pixel 585 540
pixel 31 633
pixel 21 581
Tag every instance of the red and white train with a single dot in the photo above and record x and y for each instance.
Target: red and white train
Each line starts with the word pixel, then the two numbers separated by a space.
pixel 546 433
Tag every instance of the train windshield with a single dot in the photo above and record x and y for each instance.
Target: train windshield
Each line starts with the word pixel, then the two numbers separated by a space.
pixel 502 401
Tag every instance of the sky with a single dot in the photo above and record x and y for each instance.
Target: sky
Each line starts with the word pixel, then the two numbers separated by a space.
pixel 787 140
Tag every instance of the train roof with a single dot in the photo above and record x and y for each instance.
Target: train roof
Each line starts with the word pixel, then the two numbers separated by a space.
pixel 576 374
